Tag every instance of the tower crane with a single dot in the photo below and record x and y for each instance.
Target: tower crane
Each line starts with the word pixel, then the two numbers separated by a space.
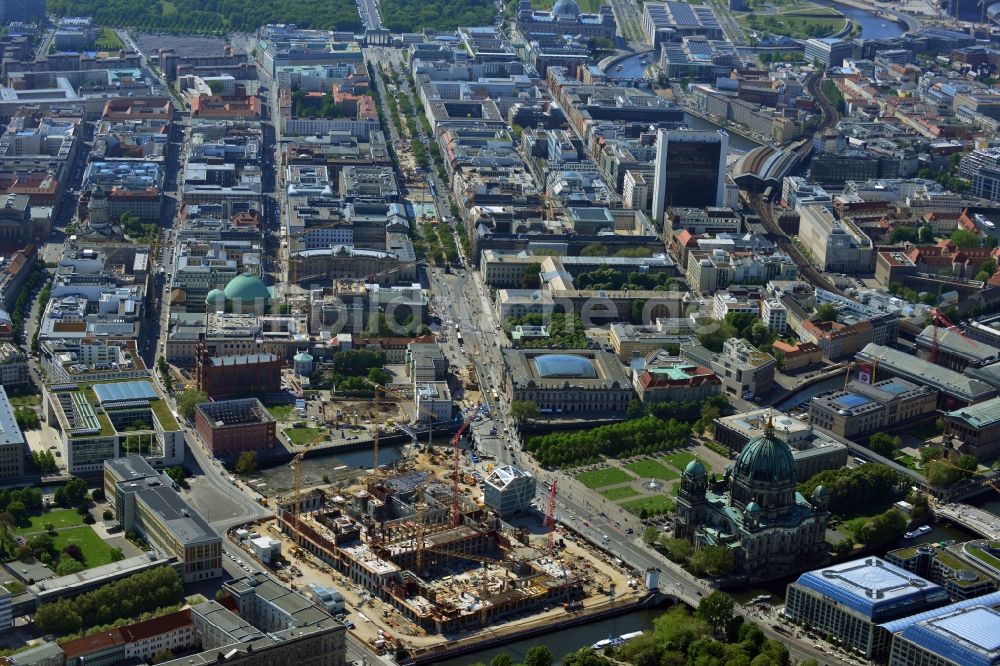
pixel 550 517
pixel 296 464
pixel 402 396
pixel 938 317
pixel 456 450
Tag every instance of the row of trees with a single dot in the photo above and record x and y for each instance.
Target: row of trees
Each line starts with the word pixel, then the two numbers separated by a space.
pixel 164 370
pixel 435 243
pixel 212 16
pixel 129 597
pixel 648 434
pixel 23 302
pixel 43 461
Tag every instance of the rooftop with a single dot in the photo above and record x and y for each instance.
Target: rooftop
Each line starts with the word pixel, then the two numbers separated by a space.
pixel 980 415
pixel 9 432
pixel 927 373
pixel 968 636
pixel 503 476
pixel 874 588
pixel 172 512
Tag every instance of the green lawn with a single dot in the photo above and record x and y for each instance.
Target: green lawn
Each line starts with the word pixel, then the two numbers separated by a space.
pixel 986 557
pixel 606 476
pixel 95 551
pixel 615 494
pixel 281 412
pixel 650 469
pixel 797 24
pixel 586 6
pixel 681 459
pixel 908 461
pixel 654 504
pixel 58 518
pixel 108 40
pixel 302 436
pixel 29 400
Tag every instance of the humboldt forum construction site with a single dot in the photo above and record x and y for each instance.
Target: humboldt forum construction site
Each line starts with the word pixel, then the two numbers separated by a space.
pixel 427 543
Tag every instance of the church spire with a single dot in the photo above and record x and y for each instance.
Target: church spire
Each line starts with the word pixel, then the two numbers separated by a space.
pixel 769 428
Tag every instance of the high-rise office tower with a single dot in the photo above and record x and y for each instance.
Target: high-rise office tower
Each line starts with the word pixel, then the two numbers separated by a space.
pixel 690 170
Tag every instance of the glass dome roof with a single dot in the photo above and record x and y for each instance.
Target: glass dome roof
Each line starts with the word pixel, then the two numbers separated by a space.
pixel 565 366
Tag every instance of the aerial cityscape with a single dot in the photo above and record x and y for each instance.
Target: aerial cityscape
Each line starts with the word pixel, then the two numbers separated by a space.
pixel 538 332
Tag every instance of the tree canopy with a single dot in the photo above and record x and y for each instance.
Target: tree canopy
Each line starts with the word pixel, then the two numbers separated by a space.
pixel 129 597
pixel 647 434
pixel 188 400
pixel 196 16
pixel 416 15
pixel 857 489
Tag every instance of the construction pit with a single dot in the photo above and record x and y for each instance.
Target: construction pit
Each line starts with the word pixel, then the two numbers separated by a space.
pixel 421 566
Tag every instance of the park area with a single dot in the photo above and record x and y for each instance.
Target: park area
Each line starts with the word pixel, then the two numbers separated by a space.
pixel 57 530
pixel 797 23
pixel 629 483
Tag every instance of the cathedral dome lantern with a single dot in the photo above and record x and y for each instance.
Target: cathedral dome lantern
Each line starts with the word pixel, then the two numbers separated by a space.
pixel 765 473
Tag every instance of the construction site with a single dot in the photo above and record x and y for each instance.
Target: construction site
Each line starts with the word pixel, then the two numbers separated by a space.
pixel 439 559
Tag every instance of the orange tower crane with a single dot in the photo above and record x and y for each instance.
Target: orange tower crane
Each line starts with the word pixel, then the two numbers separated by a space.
pixel 550 517
pixel 456 515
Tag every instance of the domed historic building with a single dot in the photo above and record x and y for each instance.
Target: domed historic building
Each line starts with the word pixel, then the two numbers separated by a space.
pixel 755 511
pixel 245 294
pixel 566 19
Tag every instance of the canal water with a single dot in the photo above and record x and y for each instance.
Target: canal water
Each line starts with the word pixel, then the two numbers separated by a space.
pixel 736 141
pixel 872 25
pixel 564 641
pixel 632 67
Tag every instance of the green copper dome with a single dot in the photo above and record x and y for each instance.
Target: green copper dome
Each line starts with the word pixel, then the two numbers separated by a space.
pixel 753 507
pixel 246 287
pixel 695 468
pixel 766 458
pixel 215 295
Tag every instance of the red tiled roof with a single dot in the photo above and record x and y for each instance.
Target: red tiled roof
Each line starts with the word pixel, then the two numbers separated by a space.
pixel 93 643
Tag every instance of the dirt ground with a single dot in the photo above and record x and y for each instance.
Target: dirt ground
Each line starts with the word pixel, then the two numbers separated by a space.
pixel 374 619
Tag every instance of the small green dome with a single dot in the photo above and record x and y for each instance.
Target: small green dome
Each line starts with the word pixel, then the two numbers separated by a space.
pixel 695 468
pixel 766 458
pixel 214 296
pixel 820 491
pixel 753 507
pixel 303 357
pixel 246 287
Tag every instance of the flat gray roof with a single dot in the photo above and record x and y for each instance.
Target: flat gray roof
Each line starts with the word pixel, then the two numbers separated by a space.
pixel 927 373
pixel 9 432
pixel 185 523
